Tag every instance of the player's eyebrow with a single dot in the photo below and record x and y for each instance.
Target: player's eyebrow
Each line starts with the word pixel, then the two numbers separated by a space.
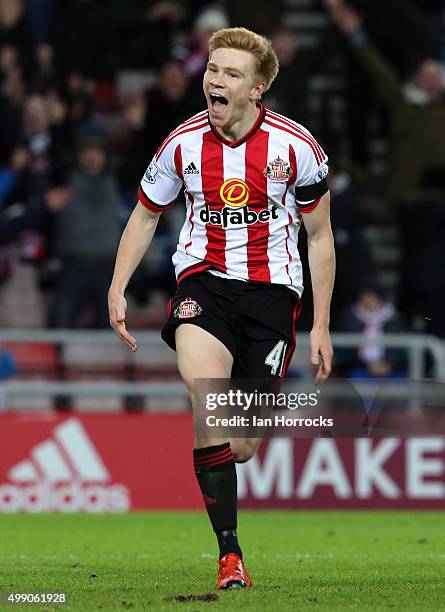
pixel 229 68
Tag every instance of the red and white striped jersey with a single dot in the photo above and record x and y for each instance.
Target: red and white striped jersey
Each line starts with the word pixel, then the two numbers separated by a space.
pixel 244 199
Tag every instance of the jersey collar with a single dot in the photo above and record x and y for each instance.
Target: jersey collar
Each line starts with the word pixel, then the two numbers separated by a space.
pixel 235 143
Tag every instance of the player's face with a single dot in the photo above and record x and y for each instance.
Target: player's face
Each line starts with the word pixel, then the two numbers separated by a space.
pixel 230 86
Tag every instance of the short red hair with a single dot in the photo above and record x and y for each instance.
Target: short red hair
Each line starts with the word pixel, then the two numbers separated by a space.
pixel 267 64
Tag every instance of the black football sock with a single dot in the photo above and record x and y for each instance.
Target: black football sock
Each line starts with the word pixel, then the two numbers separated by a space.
pixel 216 474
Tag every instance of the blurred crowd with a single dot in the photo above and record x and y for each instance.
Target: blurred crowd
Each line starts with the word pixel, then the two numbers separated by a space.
pixel 89 88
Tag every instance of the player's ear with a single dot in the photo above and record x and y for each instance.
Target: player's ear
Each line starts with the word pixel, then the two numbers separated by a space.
pixel 257 91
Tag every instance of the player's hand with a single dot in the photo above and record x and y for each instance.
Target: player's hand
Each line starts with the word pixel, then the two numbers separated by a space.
pixel 321 353
pixel 344 15
pixel 117 306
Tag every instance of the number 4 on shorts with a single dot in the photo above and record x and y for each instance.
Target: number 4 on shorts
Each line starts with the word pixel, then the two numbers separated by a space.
pixel 275 359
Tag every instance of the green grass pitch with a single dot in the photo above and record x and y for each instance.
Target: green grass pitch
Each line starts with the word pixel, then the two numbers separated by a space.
pixel 297 560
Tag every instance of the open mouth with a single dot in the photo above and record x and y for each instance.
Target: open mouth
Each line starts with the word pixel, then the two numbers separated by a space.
pixel 218 103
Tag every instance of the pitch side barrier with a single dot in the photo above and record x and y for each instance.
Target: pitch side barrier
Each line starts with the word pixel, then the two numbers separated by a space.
pixel 92 346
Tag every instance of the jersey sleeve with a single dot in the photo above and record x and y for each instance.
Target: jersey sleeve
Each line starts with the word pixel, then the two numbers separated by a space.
pixel 160 184
pixel 311 183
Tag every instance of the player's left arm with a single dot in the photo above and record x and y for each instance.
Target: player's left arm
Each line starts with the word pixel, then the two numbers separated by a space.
pixel 322 267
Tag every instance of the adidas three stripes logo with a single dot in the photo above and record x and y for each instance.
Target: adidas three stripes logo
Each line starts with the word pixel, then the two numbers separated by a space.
pixel 191 169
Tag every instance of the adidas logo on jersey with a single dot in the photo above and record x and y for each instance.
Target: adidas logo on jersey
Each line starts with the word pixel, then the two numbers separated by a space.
pixel 191 169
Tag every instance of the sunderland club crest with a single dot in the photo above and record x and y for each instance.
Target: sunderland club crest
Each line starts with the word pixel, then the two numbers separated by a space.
pixel 187 309
pixel 278 170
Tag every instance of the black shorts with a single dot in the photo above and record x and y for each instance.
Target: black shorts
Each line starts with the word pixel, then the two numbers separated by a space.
pixel 255 321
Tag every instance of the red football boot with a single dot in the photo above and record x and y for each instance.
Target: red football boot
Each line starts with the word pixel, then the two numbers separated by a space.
pixel 232 573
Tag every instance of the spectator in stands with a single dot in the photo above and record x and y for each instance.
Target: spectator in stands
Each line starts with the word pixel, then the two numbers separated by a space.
pixel 417 108
pixel 11 173
pixel 15 34
pixel 417 126
pixel 24 31
pixel 405 31
pixel 8 178
pixel 81 108
pixel 44 142
pixel 87 234
pixel 207 22
pixel 168 105
pixel 25 179
pixel 37 215
pixel 13 89
pixel 372 317
pixel 44 75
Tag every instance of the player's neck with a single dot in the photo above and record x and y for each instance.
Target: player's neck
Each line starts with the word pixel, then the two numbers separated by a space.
pixel 239 129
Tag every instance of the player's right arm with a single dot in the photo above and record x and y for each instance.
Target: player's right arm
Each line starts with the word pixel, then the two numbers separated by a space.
pixel 136 239
pixel 158 191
